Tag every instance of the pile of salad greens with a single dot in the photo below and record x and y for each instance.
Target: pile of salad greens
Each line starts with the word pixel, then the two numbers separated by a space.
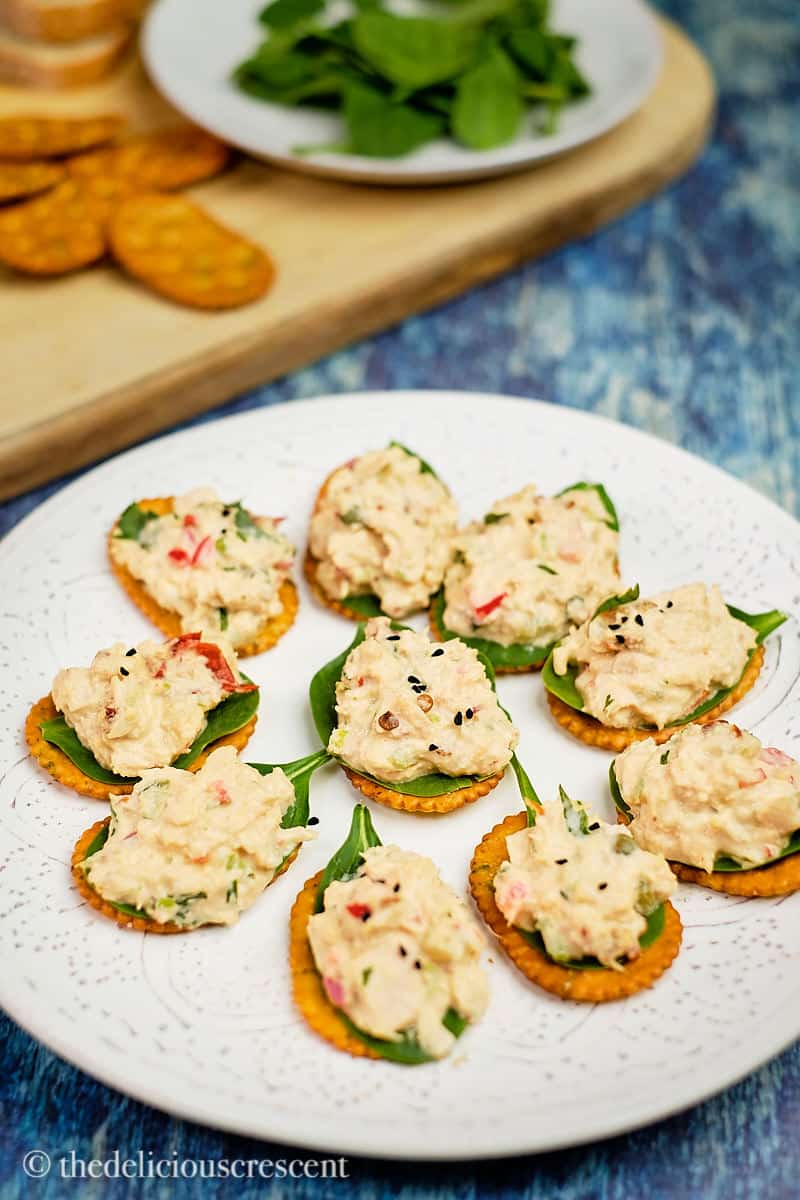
pixel 469 72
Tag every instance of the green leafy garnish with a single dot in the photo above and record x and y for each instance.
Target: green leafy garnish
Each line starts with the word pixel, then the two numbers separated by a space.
pixel 322 697
pixel 245 524
pixel 223 618
pixel 231 714
pixel 564 686
pixel 576 818
pixel 133 521
pixel 607 502
pixel 723 862
pixel 344 865
pixel 520 655
pixel 400 81
pixel 493 518
pixel 425 468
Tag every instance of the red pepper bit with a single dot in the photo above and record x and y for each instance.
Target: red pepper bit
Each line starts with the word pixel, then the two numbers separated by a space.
pixel 159 674
pixel 110 713
pixel 483 610
pixel 221 793
pixel 189 521
pixel 361 911
pixel 361 681
pixel 202 546
pixel 179 556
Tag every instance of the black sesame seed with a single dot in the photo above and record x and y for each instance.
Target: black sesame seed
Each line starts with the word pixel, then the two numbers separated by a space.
pixel 669 604
pixel 403 952
pixel 563 895
pixel 413 679
pixel 313 820
pixel 620 640
pixel 624 619
pixel 601 887
pixel 436 653
pixel 469 714
pixel 129 653
pixel 226 512
pixel 614 626
pixel 560 861
pixel 365 916
pixel 396 887
pixel 417 965
pixel 639 619
pixel 593 826
pixel 458 718
pixel 419 688
pixel 394 637
pixel 433 746
pixel 122 671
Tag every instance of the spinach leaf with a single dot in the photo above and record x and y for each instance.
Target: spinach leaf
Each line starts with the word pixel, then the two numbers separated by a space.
pixel 425 468
pixel 133 521
pixel 654 929
pixel 227 717
pixel 344 865
pixel 282 14
pixel 525 654
pixel 380 127
pixel 616 601
pixel 763 623
pixel 605 499
pixel 245 523
pixel 723 862
pixel 575 815
pixel 299 774
pixel 488 105
pixel 526 789
pixel 413 52
pixel 367 605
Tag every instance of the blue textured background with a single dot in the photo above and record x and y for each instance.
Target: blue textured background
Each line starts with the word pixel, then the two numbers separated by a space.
pixel 683 319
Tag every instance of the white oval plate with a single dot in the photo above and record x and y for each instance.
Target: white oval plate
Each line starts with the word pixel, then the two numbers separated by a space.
pixel 203 1025
pixel 190 48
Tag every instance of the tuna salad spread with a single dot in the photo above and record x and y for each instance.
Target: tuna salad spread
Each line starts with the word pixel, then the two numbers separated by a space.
pixel 196 849
pixel 716 791
pixel 383 526
pixel 587 895
pixel 652 662
pixel 214 564
pixel 142 706
pixel 407 707
pixel 397 950
pixel 533 568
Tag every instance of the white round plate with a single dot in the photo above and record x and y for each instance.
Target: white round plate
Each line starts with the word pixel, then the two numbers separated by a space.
pixel 203 1025
pixel 191 46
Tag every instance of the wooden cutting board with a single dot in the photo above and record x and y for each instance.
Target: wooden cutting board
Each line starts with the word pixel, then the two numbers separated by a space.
pixel 92 362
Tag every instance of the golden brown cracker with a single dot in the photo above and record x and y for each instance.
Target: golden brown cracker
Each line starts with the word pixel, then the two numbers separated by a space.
pixel 164 161
pixel 96 901
pixel 310 565
pixel 444 803
pixel 530 669
pixel 53 234
pixel 176 249
pixel 57 764
pixel 169 622
pixel 592 986
pixel 590 731
pixel 777 879
pixel 23 179
pixel 309 994
pixel 28 137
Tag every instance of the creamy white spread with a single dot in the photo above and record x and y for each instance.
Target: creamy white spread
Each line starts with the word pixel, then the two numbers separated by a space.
pixel 142 706
pixel 652 662
pixel 408 707
pixel 396 949
pixel 213 563
pixel 383 527
pixel 534 567
pixel 196 849
pixel 587 895
pixel 713 790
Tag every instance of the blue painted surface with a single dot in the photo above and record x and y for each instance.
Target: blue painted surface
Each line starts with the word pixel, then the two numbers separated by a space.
pixel 682 319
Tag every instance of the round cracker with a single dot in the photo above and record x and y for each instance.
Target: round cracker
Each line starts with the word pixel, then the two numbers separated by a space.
pixel 775 879
pixel 20 180
pixel 139 924
pixel 590 731
pixel 28 137
pixel 591 986
pixel 175 248
pixel 444 803
pixel 63 769
pixel 163 161
pixel 310 565
pixel 532 668
pixel 169 622
pixel 53 234
pixel 307 990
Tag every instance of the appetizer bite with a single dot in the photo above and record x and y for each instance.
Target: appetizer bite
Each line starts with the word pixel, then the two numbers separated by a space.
pixel 531 570
pixel 139 707
pixel 187 850
pixel 415 725
pixel 642 668
pixel 379 538
pixel 194 562
pixel 578 907
pixel 723 808
pixel 385 958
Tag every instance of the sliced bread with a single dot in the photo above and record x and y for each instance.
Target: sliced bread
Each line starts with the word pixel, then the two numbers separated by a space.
pixel 66 20
pixel 60 64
